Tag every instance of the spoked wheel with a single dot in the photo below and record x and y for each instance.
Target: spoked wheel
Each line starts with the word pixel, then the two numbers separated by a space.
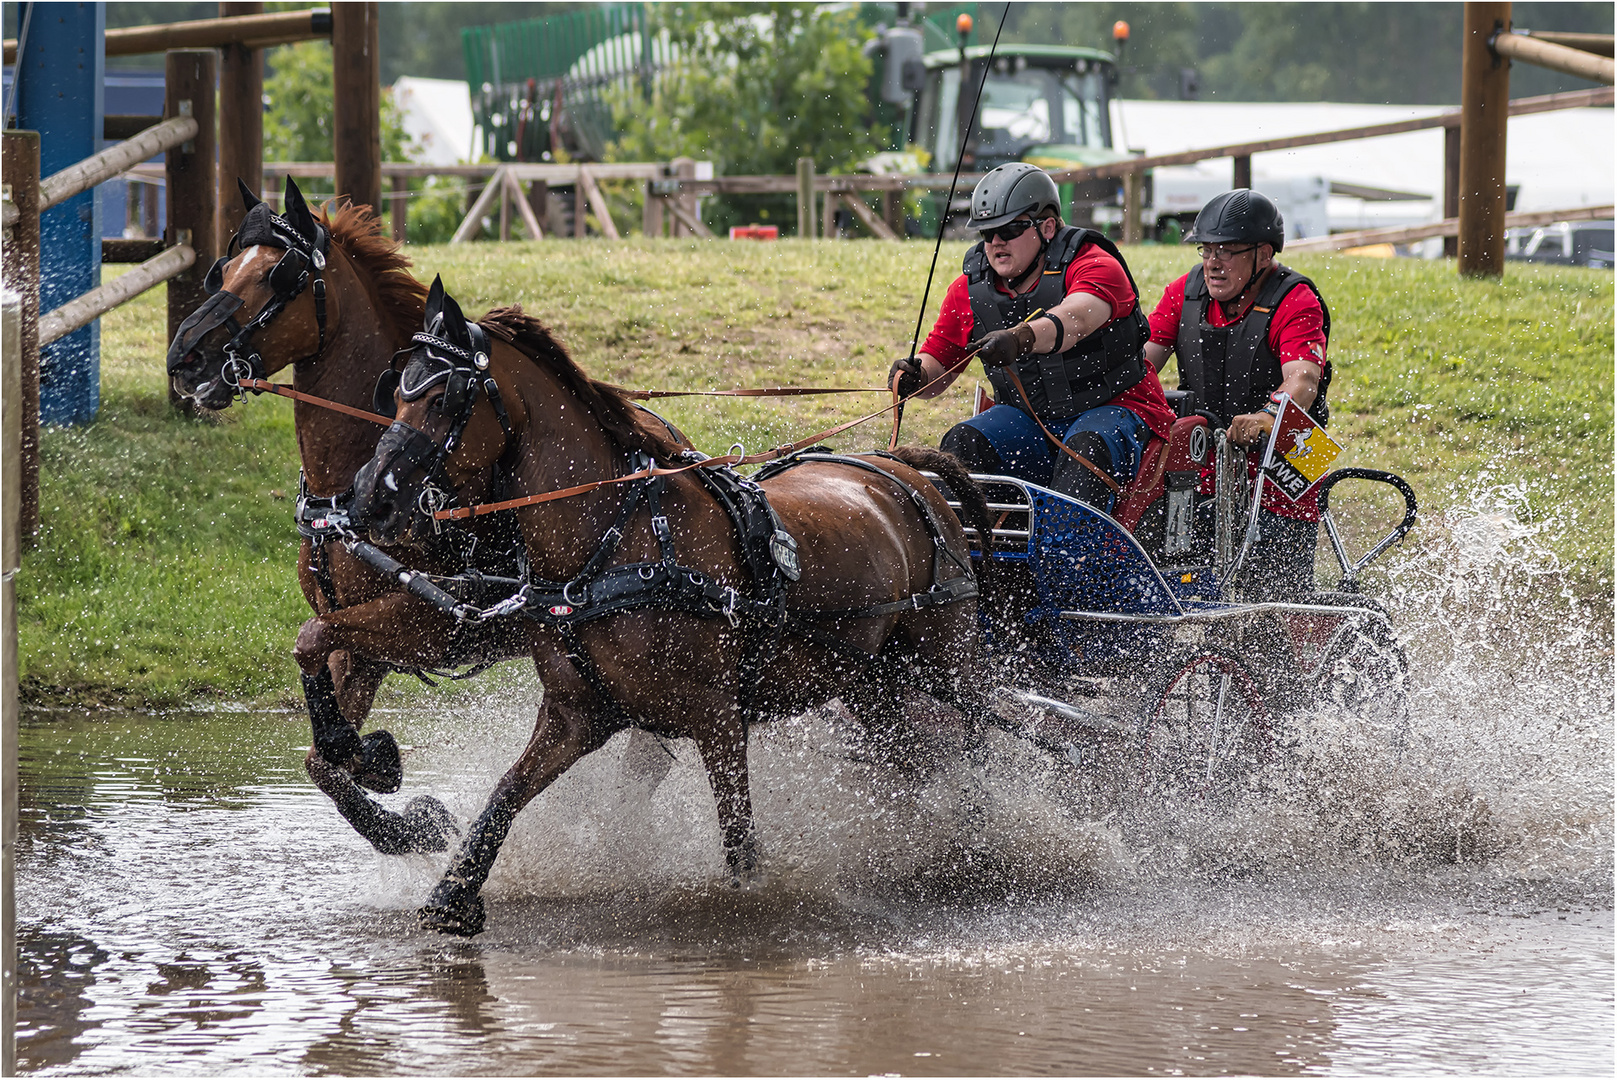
pixel 1367 674
pixel 1206 730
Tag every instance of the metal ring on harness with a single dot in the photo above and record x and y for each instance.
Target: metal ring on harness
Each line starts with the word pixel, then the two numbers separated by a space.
pixel 234 370
pixel 647 573
pixel 566 594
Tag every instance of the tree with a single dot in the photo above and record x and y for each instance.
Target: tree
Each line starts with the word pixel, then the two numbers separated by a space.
pixel 752 88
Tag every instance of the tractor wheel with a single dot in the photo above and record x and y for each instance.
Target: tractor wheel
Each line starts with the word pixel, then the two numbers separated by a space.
pixel 1205 730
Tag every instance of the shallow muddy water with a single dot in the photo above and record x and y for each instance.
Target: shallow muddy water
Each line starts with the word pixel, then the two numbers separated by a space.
pixel 189 905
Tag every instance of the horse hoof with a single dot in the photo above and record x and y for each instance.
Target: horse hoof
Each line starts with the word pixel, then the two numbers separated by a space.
pixel 379 767
pixel 455 913
pixel 430 824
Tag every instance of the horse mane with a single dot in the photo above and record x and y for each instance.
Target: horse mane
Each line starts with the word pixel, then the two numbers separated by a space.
pixel 358 231
pixel 629 426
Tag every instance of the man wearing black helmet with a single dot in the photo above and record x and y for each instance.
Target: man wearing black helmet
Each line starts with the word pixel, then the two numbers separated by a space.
pixel 1248 329
pixel 1087 402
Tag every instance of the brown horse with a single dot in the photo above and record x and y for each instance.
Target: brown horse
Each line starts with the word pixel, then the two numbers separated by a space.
pixel 334 300
pixel 655 603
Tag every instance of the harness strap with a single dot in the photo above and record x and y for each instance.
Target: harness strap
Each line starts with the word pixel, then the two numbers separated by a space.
pixel 1105 477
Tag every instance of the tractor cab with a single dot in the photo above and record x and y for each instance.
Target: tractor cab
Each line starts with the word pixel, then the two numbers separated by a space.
pixel 1045 104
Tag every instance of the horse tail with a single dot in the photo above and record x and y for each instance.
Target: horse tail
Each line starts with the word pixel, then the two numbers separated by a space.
pixel 973 512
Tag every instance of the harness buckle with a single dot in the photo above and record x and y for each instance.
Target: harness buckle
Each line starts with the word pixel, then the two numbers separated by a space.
pixel 659 526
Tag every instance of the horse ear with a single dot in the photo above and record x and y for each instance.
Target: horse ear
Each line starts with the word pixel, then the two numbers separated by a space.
pixel 435 303
pixel 455 323
pixel 248 199
pixel 298 213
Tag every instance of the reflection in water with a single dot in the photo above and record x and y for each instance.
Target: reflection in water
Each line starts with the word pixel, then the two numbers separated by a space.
pixel 189 905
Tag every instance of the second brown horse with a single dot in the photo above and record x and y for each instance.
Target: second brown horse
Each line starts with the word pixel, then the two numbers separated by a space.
pixel 647 603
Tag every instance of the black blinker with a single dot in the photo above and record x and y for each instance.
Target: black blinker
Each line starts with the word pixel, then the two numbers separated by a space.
pixel 382 398
pixel 457 394
pixel 215 281
pixel 290 273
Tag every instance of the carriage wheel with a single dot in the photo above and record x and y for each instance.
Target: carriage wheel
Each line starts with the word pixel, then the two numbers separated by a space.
pixel 1367 675
pixel 1206 729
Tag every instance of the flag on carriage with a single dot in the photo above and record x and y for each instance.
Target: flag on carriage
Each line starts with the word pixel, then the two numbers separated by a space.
pixel 1299 452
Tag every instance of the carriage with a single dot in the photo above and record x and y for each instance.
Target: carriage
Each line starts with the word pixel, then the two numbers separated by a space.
pixel 1140 633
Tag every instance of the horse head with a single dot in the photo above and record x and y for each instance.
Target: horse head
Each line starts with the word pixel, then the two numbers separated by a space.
pixel 273 266
pixel 450 424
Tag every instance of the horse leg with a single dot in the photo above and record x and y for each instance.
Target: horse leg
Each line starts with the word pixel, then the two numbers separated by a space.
pixel 357 679
pixel 381 631
pixel 562 735
pixel 426 824
pixel 724 751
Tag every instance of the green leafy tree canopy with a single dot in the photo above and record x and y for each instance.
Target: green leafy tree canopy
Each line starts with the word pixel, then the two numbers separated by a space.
pixel 752 88
pixel 301 104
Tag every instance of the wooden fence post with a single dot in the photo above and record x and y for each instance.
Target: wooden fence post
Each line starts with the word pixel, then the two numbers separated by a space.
pixel 191 76
pixel 1242 177
pixel 1451 185
pixel 10 561
pixel 241 121
pixel 19 160
pixel 805 198
pixel 399 208
pixel 357 91
pixel 1484 108
pixel 1133 195
pixel 651 211
pixel 684 168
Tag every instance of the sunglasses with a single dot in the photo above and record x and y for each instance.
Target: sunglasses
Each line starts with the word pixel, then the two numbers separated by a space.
pixel 1007 232
pixel 1222 252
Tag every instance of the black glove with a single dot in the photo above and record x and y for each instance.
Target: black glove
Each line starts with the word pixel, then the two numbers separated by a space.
pixel 907 370
pixel 1004 346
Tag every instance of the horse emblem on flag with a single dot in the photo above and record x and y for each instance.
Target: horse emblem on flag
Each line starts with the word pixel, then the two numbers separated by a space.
pixel 1299 451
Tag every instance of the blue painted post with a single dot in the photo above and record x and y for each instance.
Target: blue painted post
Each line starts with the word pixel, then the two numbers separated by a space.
pixel 59 95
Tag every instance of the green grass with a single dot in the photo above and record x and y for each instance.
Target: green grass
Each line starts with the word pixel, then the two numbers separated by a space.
pixel 164 571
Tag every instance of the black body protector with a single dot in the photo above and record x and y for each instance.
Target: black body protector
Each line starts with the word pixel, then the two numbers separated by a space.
pixel 1251 370
pixel 1088 375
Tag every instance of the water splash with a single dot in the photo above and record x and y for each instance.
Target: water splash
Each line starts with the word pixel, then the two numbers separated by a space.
pixel 1503 770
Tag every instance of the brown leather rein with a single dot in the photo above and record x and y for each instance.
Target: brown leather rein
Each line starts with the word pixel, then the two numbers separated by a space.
pixel 772 454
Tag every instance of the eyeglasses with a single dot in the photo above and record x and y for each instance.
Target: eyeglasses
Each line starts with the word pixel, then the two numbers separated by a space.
pixel 1007 232
pixel 1222 252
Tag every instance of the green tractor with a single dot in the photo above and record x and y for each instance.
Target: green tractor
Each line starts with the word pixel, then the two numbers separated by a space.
pixel 1049 105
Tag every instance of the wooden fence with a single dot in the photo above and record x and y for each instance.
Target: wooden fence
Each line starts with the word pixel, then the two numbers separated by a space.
pixel 670 189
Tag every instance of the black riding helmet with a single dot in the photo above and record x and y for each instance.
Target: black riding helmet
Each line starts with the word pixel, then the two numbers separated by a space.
pixel 1239 215
pixel 1011 191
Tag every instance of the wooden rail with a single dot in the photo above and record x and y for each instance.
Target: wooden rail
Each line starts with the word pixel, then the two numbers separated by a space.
pixel 1547 54
pixel 1405 234
pixel 90 306
pixel 249 31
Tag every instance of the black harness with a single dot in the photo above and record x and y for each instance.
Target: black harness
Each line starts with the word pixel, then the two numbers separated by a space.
pixel 1231 368
pixel 601 589
pixel 1059 385
pixel 302 267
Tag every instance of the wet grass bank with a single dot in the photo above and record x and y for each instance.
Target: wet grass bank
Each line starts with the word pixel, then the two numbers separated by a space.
pixel 165 572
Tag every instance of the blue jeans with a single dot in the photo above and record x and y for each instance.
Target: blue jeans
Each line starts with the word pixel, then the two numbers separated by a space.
pixel 1028 455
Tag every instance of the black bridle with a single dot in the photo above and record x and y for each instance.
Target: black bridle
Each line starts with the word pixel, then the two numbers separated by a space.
pixel 301 267
pixel 464 370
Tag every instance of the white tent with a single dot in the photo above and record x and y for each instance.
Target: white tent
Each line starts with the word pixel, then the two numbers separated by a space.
pixel 438 116
pixel 1560 160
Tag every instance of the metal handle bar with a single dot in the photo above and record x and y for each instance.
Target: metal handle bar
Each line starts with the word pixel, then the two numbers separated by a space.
pixel 1350 571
